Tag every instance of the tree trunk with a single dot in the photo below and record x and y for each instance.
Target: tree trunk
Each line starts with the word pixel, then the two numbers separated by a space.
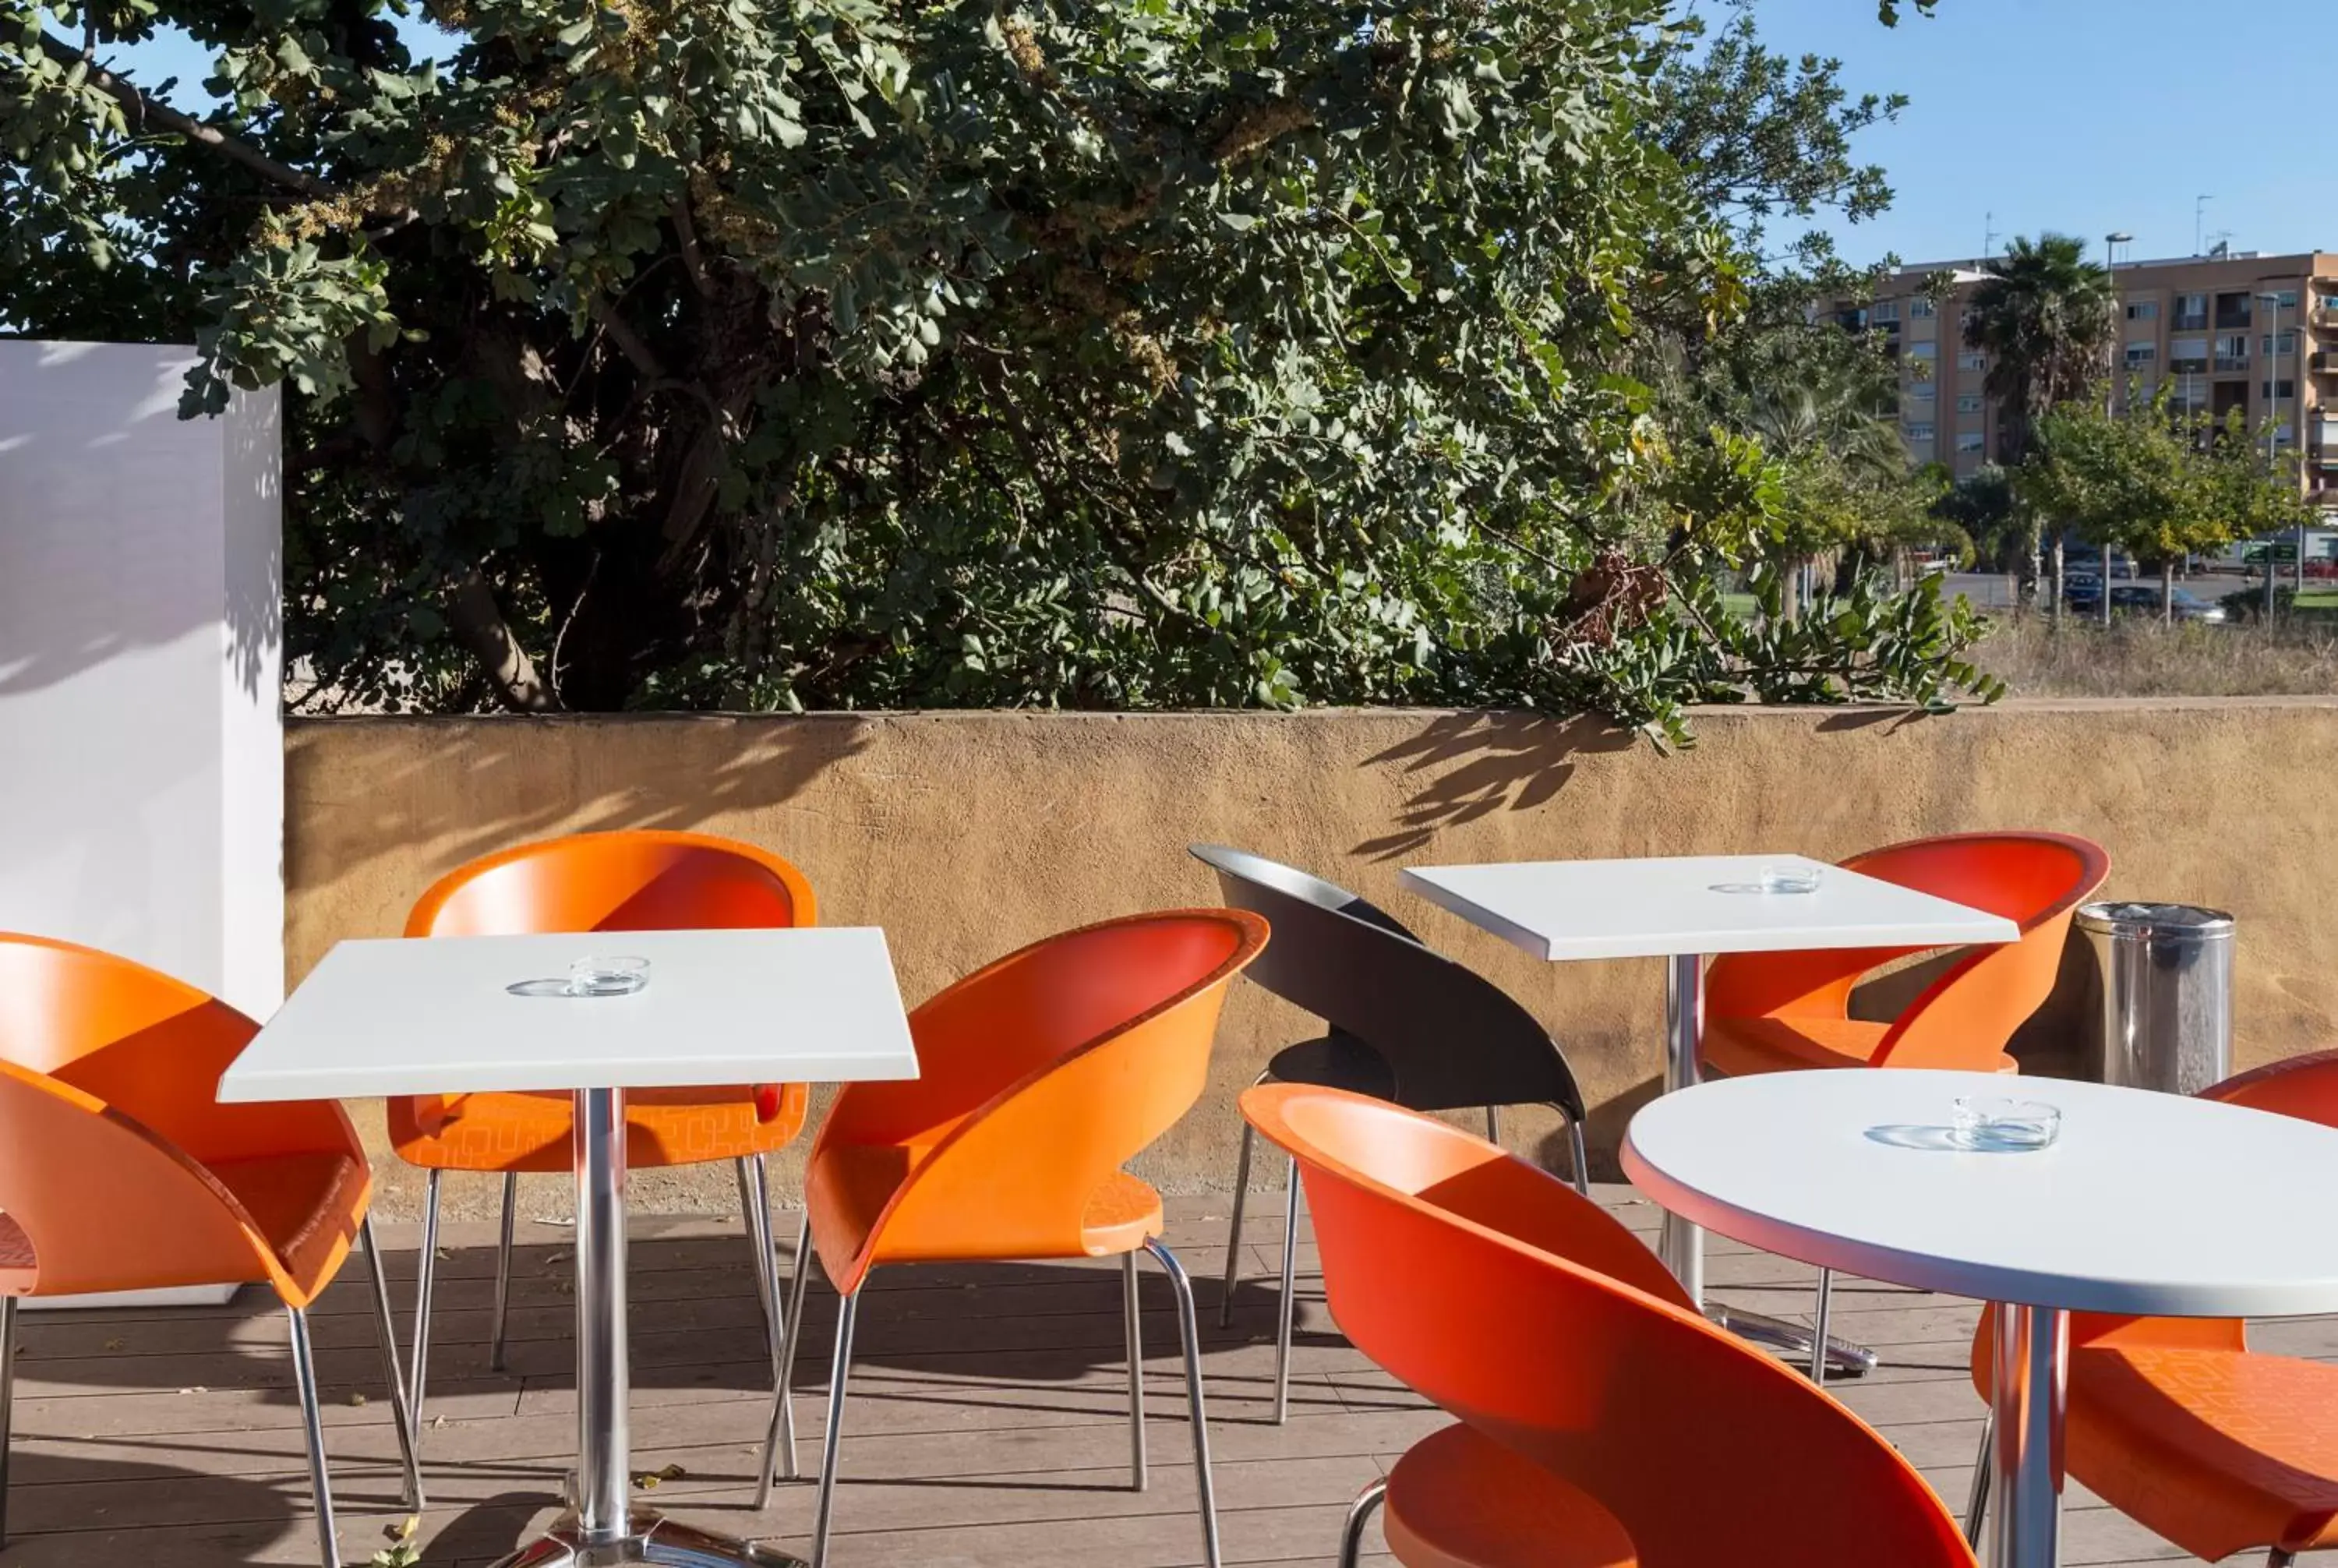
pixel 478 623
pixel 2057 576
pixel 2168 593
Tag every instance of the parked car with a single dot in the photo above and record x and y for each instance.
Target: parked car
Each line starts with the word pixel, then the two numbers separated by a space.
pixel 2143 599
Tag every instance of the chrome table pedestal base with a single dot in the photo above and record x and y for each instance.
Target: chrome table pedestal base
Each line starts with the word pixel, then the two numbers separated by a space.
pixel 650 1539
pixel 606 1530
pixel 1682 1244
pixel 1791 1340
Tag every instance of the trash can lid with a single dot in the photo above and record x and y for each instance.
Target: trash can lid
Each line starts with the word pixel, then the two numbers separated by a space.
pixel 2159 921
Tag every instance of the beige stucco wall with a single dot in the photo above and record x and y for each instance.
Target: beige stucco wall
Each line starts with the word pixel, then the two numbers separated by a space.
pixel 968 834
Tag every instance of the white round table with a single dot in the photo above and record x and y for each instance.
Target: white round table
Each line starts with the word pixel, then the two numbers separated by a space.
pixel 2148 1204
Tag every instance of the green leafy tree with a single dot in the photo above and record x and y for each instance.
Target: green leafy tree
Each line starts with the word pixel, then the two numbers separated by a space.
pixel 685 353
pixel 2159 485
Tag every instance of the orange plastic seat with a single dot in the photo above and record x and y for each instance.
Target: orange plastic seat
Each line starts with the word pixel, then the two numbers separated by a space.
pixel 120 1169
pixel 629 881
pixel 1555 1335
pixel 1775 1012
pixel 2177 1424
pixel 1457 1499
pixel 1039 1076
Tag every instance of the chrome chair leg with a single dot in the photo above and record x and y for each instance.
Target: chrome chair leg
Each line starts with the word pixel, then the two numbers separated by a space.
pixel 387 1333
pixel 1976 1500
pixel 1819 1328
pixel 2278 1558
pixel 426 1269
pixel 1137 1477
pixel 848 1309
pixel 304 1373
pixel 1577 1151
pixel 7 1401
pixel 1234 1226
pixel 1189 1328
pixel 1288 1307
pixel 755 1199
pixel 780 1439
pixel 502 1271
pixel 1493 1123
pixel 1359 1513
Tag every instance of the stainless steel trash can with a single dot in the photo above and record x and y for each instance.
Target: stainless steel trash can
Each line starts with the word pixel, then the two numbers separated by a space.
pixel 2167 977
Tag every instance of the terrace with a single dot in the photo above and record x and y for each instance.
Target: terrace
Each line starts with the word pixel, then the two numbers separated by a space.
pixel 988 1429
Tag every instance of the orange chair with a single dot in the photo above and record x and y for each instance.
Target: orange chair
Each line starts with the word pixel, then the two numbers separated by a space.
pixel 120 1170
pixel 1777 1012
pixel 1039 1076
pixel 2177 1424
pixel 1604 1422
pixel 632 881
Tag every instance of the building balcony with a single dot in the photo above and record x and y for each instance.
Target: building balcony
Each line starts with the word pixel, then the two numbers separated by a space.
pixel 2323 362
pixel 2189 323
pixel 2227 365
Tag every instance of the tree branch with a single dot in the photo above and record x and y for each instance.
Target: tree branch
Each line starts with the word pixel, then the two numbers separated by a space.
pixel 154 111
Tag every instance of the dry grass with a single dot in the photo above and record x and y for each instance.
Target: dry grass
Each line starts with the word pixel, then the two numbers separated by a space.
pixel 2137 658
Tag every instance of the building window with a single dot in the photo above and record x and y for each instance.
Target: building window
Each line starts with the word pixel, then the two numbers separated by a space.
pixel 1923 350
pixel 2191 313
pixel 1884 311
pixel 1920 430
pixel 2139 355
pixel 2232 351
pixel 1971 441
pixel 2281 390
pixel 1921 310
pixel 2143 309
pixel 1970 402
pixel 2286 345
pixel 2232 308
pixel 1923 391
pixel 2283 299
pixel 1972 361
pixel 2188 394
pixel 2188 355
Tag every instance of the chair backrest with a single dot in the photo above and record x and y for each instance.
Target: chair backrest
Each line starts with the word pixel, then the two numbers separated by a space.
pixel 1486 1285
pixel 1039 1076
pixel 1967 1015
pixel 1451 1037
pixel 2305 1087
pixel 109 1077
pixel 636 880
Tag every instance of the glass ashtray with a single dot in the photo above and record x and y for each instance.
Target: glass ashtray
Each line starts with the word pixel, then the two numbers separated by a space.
pixel 1986 1122
pixel 608 976
pixel 1789 878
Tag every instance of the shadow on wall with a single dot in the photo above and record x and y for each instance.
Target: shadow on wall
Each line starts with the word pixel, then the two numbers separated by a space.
pixel 514 786
pixel 1480 764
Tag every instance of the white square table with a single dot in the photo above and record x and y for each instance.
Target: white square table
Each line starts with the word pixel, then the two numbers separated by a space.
pixel 449 1014
pixel 1686 908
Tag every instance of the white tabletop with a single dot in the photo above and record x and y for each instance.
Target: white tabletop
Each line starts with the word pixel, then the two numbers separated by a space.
pixel 436 1016
pixel 2148 1203
pixel 1693 904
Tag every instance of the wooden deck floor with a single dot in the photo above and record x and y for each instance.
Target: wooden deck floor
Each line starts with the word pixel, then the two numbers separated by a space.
pixel 987 1427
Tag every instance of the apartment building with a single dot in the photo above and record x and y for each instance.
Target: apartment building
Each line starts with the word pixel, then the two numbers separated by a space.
pixel 2255 333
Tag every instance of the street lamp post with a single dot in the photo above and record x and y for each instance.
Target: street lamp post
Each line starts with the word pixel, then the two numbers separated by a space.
pixel 2111 242
pixel 2272 303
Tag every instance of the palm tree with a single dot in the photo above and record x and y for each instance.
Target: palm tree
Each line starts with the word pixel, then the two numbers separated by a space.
pixel 2048 317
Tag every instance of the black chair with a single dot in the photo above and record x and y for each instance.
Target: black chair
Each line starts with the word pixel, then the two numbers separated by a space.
pixel 1407 1024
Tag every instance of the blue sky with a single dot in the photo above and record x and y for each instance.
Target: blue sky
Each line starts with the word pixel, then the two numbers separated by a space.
pixel 2088 116
pixel 2084 116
